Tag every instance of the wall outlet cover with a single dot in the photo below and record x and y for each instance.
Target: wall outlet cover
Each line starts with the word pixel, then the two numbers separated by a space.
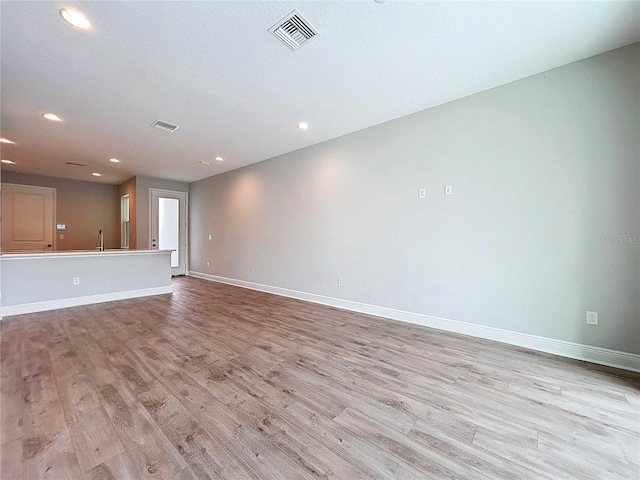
pixel 592 318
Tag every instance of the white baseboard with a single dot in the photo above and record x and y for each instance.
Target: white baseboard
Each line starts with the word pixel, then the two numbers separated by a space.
pixel 78 301
pixel 602 356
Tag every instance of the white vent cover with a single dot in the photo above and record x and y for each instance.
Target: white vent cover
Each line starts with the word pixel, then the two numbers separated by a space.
pixel 162 125
pixel 293 30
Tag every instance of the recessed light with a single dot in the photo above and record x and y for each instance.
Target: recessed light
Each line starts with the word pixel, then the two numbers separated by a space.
pixel 96 174
pixel 5 140
pixel 204 162
pixel 75 17
pixel 8 161
pixel 114 160
pixel 220 159
pixel 52 116
pixel 303 125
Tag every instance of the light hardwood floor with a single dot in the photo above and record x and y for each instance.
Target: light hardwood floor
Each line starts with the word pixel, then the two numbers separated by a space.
pixel 216 381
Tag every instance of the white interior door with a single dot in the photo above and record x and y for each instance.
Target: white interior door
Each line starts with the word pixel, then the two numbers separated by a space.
pixel 168 229
pixel 28 218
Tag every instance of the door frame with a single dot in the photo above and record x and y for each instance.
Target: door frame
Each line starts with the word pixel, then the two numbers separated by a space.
pixel 160 191
pixel 54 218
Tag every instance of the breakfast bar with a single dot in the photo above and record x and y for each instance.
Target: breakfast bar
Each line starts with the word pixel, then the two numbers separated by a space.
pixel 35 282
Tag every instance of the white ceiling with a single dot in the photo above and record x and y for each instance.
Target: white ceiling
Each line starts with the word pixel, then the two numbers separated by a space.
pixel 236 91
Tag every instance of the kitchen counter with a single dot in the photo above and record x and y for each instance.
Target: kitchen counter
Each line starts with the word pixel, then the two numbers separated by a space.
pixel 65 253
pixel 39 281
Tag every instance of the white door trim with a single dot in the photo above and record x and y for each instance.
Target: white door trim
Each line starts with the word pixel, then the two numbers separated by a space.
pixel 161 191
pixel 54 235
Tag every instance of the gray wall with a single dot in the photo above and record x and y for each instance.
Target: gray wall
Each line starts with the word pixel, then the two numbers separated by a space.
pixel 41 278
pixel 545 174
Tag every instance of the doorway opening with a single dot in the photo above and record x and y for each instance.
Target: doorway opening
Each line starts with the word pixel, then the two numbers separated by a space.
pixel 168 226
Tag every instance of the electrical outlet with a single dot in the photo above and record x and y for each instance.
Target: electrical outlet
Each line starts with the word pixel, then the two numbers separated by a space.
pixel 76 280
pixel 448 189
pixel 209 237
pixel 340 282
pixel 252 270
pixel 592 318
pixel 422 192
pixel 208 264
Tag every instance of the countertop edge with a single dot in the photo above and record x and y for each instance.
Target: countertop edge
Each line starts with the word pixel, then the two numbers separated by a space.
pixel 80 253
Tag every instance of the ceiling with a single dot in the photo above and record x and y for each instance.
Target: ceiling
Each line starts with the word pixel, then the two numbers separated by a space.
pixel 237 92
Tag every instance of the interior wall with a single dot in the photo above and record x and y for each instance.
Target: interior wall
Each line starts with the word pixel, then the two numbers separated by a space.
pixel 85 207
pixel 143 184
pixel 129 188
pixel 543 223
pixel 30 282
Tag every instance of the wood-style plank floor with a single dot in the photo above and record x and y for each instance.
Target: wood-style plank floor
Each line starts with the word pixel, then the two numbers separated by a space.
pixel 215 381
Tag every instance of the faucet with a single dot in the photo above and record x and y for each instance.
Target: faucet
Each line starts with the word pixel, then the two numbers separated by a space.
pixel 101 240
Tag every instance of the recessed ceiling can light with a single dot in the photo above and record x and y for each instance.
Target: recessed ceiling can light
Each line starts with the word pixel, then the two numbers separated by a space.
pixel 114 160
pixel 76 18
pixel 303 125
pixel 204 162
pixel 96 174
pixel 5 140
pixel 52 116
pixel 219 159
pixel 8 161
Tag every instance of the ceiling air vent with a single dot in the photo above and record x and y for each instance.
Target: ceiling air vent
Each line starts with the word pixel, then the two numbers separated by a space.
pixel 293 30
pixel 166 126
pixel 74 164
